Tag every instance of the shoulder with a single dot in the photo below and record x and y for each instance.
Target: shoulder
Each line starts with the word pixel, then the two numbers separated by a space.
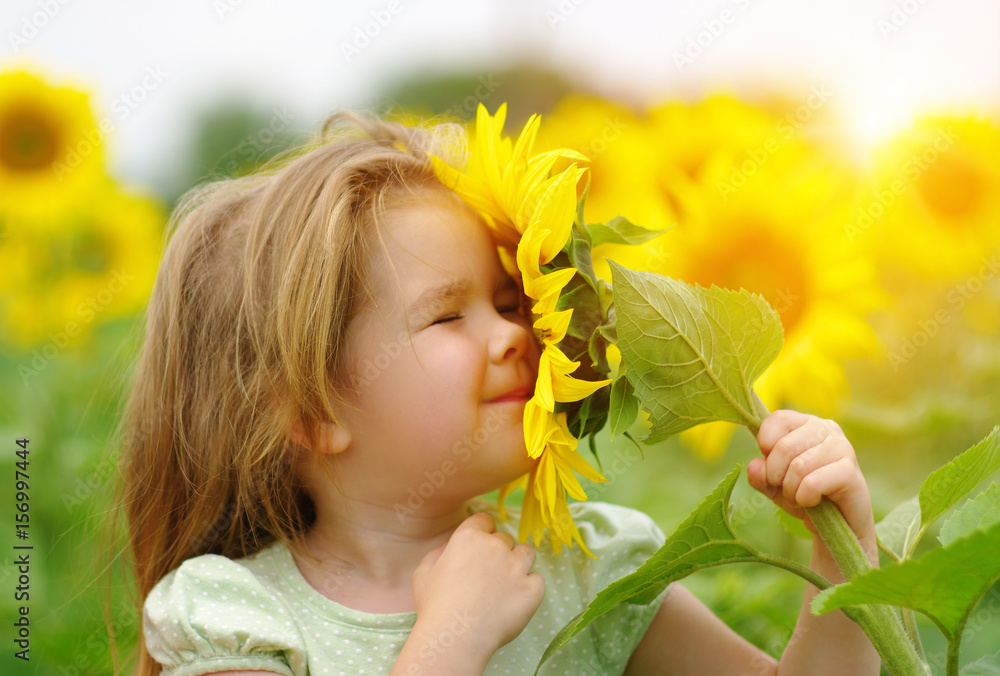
pixel 600 522
pixel 219 611
pixel 210 576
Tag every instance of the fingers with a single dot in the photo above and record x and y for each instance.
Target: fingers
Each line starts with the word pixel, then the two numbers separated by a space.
pixel 430 558
pixel 801 438
pixel 802 466
pixel 805 458
pixel 527 552
pixel 822 481
pixel 481 521
pixel 507 538
pixel 486 523
pixel 478 521
pixel 756 476
pixel 777 425
pixel 846 487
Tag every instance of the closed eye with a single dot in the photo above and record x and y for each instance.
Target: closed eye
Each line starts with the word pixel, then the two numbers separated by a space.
pixel 445 320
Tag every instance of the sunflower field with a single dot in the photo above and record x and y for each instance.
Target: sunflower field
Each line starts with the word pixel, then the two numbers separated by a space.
pixel 882 263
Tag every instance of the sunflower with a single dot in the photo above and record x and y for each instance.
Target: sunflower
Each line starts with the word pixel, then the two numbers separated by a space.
pixel 101 264
pixel 927 210
pixel 793 251
pixel 714 170
pixel 51 150
pixel 531 211
pixel 929 204
pixel 651 166
pixel 503 182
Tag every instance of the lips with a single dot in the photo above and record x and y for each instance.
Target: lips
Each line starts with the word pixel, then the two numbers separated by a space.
pixel 517 394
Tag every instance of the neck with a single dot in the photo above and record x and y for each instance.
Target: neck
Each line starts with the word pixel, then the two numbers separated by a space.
pixel 367 552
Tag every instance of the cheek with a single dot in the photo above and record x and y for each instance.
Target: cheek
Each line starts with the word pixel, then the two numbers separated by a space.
pixel 433 378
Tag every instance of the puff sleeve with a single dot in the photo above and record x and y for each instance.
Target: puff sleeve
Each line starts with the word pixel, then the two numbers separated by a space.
pixel 622 539
pixel 213 614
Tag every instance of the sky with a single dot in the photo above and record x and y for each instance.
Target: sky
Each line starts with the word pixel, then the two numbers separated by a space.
pixel 153 66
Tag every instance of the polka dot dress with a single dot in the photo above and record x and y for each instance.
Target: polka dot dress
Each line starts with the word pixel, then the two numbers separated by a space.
pixel 217 614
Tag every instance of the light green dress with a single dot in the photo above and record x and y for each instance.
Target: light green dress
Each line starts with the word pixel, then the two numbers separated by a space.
pixel 216 614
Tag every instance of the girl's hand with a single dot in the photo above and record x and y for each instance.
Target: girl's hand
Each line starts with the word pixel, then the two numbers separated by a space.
pixel 477 584
pixel 805 458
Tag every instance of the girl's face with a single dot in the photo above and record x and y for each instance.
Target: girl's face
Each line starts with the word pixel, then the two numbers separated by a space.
pixel 440 417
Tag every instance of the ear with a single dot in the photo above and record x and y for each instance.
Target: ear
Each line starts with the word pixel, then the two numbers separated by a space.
pixel 333 438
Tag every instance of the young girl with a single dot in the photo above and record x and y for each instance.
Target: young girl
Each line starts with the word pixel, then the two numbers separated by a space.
pixel 335 366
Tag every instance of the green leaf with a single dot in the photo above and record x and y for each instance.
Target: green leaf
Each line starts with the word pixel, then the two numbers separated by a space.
pixel 977 514
pixel 987 665
pixel 604 296
pixel 900 527
pixel 692 354
pixel 624 406
pixel 944 584
pixel 579 296
pixel 703 540
pixel 578 252
pixel 620 230
pixel 579 223
pixel 949 484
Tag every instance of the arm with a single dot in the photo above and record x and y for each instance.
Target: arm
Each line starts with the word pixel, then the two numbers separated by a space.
pixel 805 458
pixel 686 637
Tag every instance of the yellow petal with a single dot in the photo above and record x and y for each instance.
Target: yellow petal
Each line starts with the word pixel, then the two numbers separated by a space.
pixel 538 427
pixel 573 460
pixel 555 212
pixel 546 289
pixel 519 156
pixel 567 477
pixel 565 387
pixel 528 252
pixel 509 262
pixel 546 484
pixel 506 490
pixel 554 325
pixel 543 384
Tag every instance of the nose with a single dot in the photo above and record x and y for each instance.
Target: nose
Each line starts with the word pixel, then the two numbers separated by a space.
pixel 510 340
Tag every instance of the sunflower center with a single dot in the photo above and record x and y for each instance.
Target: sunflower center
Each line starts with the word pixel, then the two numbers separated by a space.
pixel 952 187
pixel 28 141
pixel 759 262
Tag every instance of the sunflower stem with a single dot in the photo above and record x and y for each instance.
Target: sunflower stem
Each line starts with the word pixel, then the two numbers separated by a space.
pixel 882 626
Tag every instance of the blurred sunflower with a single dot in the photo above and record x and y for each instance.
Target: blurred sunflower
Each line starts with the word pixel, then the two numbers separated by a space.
pixel 928 211
pixel 930 205
pixel 51 151
pixel 791 250
pixel 100 264
pixel 716 169
pixel 651 167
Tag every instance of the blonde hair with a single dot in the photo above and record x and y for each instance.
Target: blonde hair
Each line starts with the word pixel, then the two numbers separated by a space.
pixel 245 333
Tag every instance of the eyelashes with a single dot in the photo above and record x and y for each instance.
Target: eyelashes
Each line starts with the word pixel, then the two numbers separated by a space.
pixel 502 310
